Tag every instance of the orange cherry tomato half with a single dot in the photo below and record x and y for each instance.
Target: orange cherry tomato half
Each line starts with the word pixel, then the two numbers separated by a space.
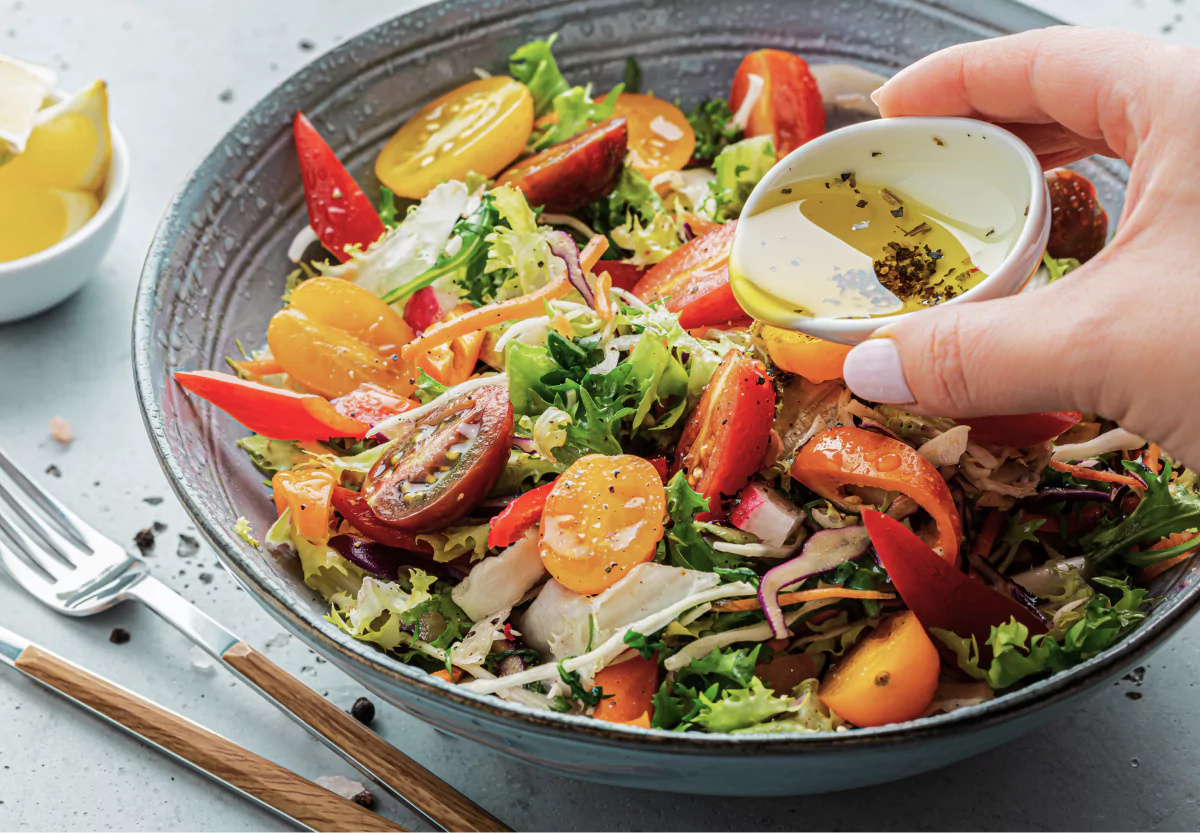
pixel 481 127
pixel 329 361
pixel 603 517
pixel 446 463
pixel 371 404
pixel 888 677
pixel 725 438
pixel 694 281
pixel 350 308
pixel 789 107
pixel 815 359
pixel 660 137
pixel 629 689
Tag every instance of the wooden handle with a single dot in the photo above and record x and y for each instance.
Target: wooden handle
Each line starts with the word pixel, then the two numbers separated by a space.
pixel 387 764
pixel 270 783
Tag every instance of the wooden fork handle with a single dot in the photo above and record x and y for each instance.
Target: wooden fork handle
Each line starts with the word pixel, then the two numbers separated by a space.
pixel 388 765
pixel 269 783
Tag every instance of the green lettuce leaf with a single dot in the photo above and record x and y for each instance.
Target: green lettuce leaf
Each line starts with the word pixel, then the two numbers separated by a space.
pixel 739 167
pixel 807 713
pixel 1059 266
pixel 428 388
pixel 534 66
pixel 270 456
pixel 649 243
pixel 518 261
pixel 740 708
pixel 574 112
pixel 633 196
pixel 736 664
pixel 455 541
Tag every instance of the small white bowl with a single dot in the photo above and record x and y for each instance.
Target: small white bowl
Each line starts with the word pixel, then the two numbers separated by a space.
pixel 887 151
pixel 37 282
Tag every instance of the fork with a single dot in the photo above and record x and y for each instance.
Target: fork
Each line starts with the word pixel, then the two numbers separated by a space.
pixel 73 569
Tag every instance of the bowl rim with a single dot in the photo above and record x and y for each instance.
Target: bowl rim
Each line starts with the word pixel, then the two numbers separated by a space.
pixel 364 662
pixel 117 187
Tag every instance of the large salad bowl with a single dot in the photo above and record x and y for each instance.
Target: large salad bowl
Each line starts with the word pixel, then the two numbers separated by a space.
pixel 216 271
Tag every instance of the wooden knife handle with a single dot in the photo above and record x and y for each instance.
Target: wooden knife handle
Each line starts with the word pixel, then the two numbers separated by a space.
pixel 266 781
pixel 387 764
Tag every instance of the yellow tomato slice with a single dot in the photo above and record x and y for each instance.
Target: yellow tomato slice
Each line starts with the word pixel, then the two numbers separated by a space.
pixel 481 127
pixel 348 307
pixel 808 356
pixel 660 138
pixel 603 517
pixel 328 361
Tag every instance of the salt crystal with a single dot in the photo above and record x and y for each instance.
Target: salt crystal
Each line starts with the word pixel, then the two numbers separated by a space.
pixel 60 429
pixel 340 785
pixel 201 661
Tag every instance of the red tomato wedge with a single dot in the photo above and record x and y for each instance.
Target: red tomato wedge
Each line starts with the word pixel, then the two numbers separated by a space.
pixel 941 595
pixel 1020 430
pixel 353 507
pixel 524 512
pixel 446 463
pixel 694 281
pixel 1078 223
pixel 273 412
pixel 338 210
pixel 789 107
pixel 725 438
pixel 577 172
pixel 624 275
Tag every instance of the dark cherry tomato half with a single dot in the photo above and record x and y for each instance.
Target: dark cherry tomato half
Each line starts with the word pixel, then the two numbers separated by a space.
pixel 1021 430
pixel 445 465
pixel 1078 223
pixel 573 174
pixel 726 436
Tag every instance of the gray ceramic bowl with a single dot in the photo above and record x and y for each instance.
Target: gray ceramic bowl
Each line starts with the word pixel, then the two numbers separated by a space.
pixel 216 271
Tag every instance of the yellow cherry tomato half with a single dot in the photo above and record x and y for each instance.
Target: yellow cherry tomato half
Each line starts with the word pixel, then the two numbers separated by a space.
pixel 354 310
pixel 331 362
pixel 603 517
pixel 481 127
pixel 815 359
pixel 660 138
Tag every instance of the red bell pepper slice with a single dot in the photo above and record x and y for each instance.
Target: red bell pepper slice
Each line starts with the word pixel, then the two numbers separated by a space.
pixel 624 275
pixel 338 210
pixel 353 507
pixel 371 404
pixel 660 466
pixel 508 527
pixel 273 412
pixel 940 594
pixel 848 456
pixel 1020 430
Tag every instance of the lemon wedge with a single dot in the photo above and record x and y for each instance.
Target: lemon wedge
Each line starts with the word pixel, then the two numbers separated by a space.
pixel 23 88
pixel 34 218
pixel 70 147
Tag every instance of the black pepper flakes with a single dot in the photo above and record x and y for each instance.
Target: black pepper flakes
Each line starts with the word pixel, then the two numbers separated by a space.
pixel 861 204
pixel 119 636
pixel 144 539
pixel 363 710
pixel 364 799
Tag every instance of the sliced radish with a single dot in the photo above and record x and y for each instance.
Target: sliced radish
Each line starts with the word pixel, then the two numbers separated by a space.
pixel 822 552
pixel 764 512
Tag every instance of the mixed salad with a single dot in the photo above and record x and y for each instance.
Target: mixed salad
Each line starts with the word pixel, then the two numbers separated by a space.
pixel 520 435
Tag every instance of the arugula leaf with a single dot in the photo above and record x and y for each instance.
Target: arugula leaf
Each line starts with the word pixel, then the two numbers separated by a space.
pixel 732 574
pixel 643 644
pixel 712 123
pixel 534 66
pixel 633 76
pixel 1162 511
pixel 1016 655
pixel 733 664
pixel 587 696
pixel 428 388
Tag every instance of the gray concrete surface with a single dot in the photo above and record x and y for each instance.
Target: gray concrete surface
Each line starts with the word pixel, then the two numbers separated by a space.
pixel 180 74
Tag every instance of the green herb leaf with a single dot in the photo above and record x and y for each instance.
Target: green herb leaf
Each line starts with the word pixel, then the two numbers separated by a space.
pixel 643 644
pixel 534 66
pixel 587 696
pixel 428 388
pixel 633 76
pixel 711 122
pixel 1163 510
pixel 387 207
pixel 736 664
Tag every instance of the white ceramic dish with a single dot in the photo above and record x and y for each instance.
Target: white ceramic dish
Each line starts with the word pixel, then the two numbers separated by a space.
pixel 969 168
pixel 36 283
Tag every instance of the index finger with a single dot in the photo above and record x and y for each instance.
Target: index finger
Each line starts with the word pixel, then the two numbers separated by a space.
pixel 1090 81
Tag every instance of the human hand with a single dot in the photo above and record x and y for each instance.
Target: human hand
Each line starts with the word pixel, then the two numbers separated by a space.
pixel 1116 335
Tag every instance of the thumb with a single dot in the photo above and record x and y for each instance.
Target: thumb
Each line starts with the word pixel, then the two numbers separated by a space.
pixel 1029 352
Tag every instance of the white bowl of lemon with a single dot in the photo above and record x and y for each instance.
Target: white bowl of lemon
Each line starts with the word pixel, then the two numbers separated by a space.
pixel 64 173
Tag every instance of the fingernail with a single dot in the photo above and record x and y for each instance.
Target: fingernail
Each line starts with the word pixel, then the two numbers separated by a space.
pixel 875 95
pixel 874 371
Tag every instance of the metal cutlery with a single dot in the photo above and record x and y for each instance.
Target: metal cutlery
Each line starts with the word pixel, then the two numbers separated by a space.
pixel 72 568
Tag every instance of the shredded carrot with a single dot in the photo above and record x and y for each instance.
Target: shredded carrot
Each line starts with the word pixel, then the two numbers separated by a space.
pixel 805 596
pixel 1096 474
pixel 477 319
pixel 562 324
pixel 1172 540
pixel 592 252
pixel 441 674
pixel 603 301
pixel 1152 456
pixel 256 368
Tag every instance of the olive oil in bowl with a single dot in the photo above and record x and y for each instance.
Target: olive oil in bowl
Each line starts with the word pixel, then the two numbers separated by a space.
pixel 841 247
